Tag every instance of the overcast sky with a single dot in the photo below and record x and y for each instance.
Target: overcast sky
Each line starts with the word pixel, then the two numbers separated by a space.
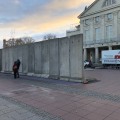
pixel 36 17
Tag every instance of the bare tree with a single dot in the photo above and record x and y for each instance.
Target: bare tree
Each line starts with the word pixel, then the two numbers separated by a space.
pixel 49 36
pixel 17 41
pixel 27 40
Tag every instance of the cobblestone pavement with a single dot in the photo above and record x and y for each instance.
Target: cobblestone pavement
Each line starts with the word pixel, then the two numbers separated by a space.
pixel 13 110
pixel 33 98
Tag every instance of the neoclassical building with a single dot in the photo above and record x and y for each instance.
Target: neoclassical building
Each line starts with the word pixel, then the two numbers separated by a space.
pixel 100 25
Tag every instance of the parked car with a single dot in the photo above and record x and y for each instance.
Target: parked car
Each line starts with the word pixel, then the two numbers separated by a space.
pixel 86 64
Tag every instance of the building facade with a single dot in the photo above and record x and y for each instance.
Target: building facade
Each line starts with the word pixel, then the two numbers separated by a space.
pixel 100 25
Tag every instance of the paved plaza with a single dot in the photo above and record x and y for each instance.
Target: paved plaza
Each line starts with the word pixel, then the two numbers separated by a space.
pixel 33 98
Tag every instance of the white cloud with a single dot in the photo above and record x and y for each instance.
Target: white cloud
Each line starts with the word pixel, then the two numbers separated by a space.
pixel 17 2
pixel 54 15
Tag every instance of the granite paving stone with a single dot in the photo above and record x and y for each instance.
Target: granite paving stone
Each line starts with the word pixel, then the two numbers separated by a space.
pixel 35 98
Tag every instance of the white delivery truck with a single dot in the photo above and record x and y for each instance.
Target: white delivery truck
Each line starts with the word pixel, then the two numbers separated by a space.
pixel 111 58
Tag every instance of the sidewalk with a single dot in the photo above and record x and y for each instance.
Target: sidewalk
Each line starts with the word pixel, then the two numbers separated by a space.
pixel 12 110
pixel 44 99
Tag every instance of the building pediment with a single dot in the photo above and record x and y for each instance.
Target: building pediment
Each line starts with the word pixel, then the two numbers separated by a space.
pixel 99 5
pixel 108 3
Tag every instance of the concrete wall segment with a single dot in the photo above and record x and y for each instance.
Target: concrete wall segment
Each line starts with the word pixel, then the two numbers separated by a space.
pixel 57 58
pixel 54 58
pixel 31 58
pixel 25 59
pixel 3 60
pixel 76 57
pixel 64 57
pixel 45 58
pixel 0 59
pixel 38 63
pixel 20 56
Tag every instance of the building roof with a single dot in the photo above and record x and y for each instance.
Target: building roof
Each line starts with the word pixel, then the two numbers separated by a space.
pixel 88 8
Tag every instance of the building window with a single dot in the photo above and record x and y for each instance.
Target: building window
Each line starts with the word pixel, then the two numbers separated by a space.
pixel 97 34
pixel 87 21
pixel 119 14
pixel 97 19
pixel 109 32
pixel 108 2
pixel 109 16
pixel 87 35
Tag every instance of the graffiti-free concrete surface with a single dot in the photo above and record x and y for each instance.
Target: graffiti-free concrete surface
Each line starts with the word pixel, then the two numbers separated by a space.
pixel 33 98
pixel 59 58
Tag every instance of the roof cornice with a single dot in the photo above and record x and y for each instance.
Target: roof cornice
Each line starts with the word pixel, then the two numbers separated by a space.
pixel 101 10
pixel 88 8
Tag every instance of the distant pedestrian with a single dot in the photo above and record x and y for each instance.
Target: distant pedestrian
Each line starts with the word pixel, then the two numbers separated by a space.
pixel 90 63
pixel 18 66
pixel 15 69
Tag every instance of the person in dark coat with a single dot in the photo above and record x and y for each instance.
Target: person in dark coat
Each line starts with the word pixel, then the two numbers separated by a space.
pixel 15 69
pixel 18 66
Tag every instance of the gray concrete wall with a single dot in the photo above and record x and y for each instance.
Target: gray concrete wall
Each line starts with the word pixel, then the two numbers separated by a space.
pixel 0 59
pixel 64 58
pixel 31 58
pixel 3 60
pixel 60 58
pixel 45 58
pixel 54 59
pixel 76 61
pixel 24 62
pixel 38 62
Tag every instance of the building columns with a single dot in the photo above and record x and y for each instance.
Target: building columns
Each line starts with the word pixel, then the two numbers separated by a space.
pixel 85 54
pixel 115 24
pixel 110 47
pixel 92 29
pixel 96 55
pixel 103 27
